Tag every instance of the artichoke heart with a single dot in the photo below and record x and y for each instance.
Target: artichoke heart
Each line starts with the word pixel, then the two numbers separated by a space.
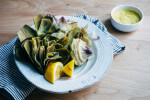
pixel 77 51
pixel 81 53
pixel 74 53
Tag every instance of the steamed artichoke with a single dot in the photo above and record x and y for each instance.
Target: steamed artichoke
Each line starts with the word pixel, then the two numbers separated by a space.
pixel 54 41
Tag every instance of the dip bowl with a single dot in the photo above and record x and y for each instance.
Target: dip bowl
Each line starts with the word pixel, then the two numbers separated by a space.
pixel 126 27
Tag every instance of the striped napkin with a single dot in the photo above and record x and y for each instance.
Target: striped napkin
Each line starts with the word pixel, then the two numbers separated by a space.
pixel 13 85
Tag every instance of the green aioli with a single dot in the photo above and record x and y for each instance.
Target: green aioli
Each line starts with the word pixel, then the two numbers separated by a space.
pixel 126 17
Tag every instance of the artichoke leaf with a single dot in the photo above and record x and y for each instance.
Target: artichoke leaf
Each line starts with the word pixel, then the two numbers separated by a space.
pixel 87 40
pixel 35 46
pixel 58 45
pixel 28 49
pixel 73 33
pixel 64 53
pixel 64 41
pixel 44 26
pixel 54 28
pixel 44 43
pixel 85 37
pixel 49 37
pixel 38 65
pixel 52 54
pixel 26 32
pixel 19 49
pixel 48 16
pixel 50 49
pixel 42 54
pixel 68 58
pixel 72 25
pixel 48 55
pixel 37 21
pixel 86 27
pixel 59 35
pixel 49 43
pixel 55 54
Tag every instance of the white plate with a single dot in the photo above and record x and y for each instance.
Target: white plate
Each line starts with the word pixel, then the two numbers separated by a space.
pixel 83 76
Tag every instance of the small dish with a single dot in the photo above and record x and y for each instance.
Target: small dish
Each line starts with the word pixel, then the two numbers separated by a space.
pixel 125 27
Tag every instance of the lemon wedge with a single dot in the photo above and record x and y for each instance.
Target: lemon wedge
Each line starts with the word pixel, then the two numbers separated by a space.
pixel 53 71
pixel 68 68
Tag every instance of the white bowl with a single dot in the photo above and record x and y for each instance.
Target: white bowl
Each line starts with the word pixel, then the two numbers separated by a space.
pixel 124 27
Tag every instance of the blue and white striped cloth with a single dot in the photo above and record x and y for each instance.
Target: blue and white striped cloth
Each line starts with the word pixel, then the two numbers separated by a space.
pixel 13 85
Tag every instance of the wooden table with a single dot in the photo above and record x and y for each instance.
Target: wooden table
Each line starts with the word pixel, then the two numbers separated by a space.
pixel 129 75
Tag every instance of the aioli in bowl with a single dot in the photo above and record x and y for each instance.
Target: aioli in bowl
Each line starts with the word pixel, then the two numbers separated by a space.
pixel 126 17
pixel 128 27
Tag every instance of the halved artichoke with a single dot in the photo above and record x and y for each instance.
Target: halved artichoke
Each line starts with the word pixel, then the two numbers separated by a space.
pixel 78 51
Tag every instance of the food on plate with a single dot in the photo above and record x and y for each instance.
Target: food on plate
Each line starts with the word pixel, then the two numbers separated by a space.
pixel 126 17
pixel 55 46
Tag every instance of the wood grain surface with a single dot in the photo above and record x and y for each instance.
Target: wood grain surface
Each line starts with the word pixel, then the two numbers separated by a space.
pixel 129 75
